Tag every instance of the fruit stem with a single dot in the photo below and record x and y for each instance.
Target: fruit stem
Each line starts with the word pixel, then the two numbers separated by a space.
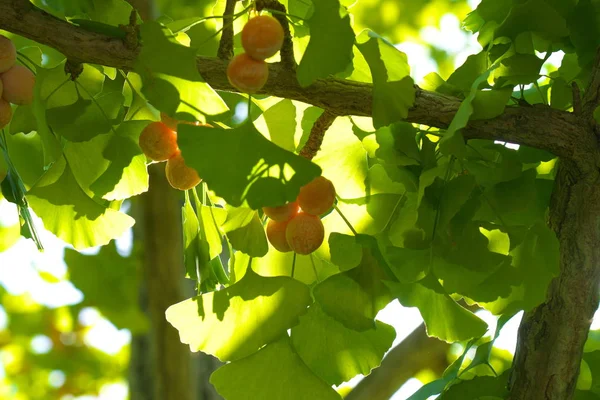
pixel 346 220
pixel 293 265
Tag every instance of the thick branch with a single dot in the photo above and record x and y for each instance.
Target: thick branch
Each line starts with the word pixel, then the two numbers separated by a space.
pixel 542 127
pixel 415 353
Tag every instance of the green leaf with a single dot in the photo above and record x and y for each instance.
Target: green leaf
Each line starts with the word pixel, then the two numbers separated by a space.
pixel 161 53
pixel 393 88
pixel 465 75
pixel 533 16
pixel 355 297
pixel 585 31
pixel 172 95
pixel 343 160
pixel 23 120
pixel 275 372
pixel 443 317
pixel 452 142
pixel 195 248
pixel 281 122
pixel 70 214
pixel 345 353
pixel 490 103
pixel 329 50
pixel 85 118
pixel 398 144
pixel 408 265
pixel 561 95
pixel 111 166
pixel 109 282
pixel 346 253
pixel 235 322
pixel 480 387
pixel 518 69
pixel 251 238
pixel 263 174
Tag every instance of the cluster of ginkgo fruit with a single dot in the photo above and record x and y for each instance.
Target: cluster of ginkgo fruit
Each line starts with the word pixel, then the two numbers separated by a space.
pixel 262 37
pixel 297 226
pixel 158 142
pixel 16 81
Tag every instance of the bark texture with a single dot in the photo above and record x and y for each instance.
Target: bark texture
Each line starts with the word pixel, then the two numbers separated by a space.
pixel 552 336
pixel 163 272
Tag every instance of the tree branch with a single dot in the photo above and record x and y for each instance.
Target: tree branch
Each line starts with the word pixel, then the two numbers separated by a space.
pixel 317 134
pixel 559 132
pixel 225 51
pixel 415 353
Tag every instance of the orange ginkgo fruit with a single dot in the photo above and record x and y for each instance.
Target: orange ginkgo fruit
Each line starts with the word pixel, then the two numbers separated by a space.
pixel 5 113
pixel 262 37
pixel 281 213
pixel 276 235
pixel 8 54
pixel 247 74
pixel 317 196
pixel 305 233
pixel 18 83
pixel 179 175
pixel 158 141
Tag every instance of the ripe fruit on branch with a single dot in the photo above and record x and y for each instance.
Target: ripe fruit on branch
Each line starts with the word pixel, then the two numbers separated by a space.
pixel 169 121
pixel 317 197
pixel 18 84
pixel 5 113
pixel 276 235
pixel 305 233
pixel 262 37
pixel 281 213
pixel 179 175
pixel 8 54
pixel 247 74
pixel 158 142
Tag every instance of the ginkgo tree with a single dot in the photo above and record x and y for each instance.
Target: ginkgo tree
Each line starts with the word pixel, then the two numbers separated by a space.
pixel 431 207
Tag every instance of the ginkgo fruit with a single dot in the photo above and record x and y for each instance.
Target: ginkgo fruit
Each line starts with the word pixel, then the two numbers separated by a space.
pixel 276 235
pixel 179 175
pixel 305 233
pixel 247 74
pixel 8 54
pixel 5 113
pixel 169 121
pixel 262 37
pixel 18 83
pixel 158 141
pixel 281 213
pixel 317 196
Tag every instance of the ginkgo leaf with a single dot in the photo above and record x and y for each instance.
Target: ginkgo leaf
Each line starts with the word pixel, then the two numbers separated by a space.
pixel 275 372
pixel 236 321
pixel 344 353
pixel 241 165
pixel 331 40
pixel 70 214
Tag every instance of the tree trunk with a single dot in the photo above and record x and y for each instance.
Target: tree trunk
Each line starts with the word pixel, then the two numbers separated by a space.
pixel 170 371
pixel 552 336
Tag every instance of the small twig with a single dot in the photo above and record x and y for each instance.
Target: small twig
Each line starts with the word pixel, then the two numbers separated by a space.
pixel 317 133
pixel 287 50
pixel 577 105
pixel 132 32
pixel 73 69
pixel 225 51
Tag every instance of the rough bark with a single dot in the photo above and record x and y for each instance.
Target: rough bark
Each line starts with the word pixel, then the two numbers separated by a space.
pixel 551 337
pixel 415 353
pixel 163 272
pixel 538 126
